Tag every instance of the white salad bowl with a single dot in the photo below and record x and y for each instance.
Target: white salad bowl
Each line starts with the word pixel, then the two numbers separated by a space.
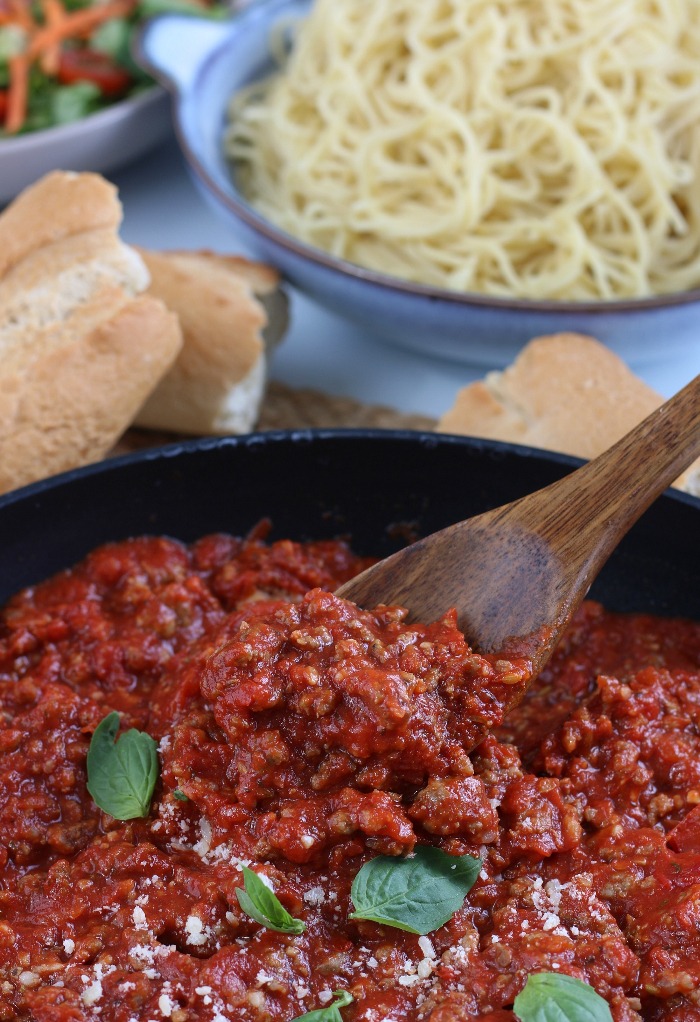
pixel 101 142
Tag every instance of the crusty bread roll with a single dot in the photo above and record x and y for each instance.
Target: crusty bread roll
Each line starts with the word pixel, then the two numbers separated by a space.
pixel 80 346
pixel 226 304
pixel 566 393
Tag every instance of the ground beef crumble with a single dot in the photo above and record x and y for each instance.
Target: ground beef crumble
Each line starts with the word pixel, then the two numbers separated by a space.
pixel 304 737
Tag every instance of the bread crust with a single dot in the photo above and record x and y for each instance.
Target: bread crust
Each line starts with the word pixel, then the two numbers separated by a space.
pixel 79 397
pixel 565 392
pixel 264 282
pixel 61 204
pixel 216 384
pixel 79 347
pixel 261 278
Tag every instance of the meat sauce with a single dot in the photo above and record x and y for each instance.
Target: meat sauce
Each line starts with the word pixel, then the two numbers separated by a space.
pixel 302 737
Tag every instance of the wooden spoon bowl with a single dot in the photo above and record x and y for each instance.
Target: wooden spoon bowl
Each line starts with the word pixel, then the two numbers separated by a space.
pixel 516 574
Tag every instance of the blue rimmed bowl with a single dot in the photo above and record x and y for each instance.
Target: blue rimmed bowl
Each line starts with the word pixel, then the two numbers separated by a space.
pixel 204 62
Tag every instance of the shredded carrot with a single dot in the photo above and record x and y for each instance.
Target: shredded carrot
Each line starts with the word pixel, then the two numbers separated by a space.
pixel 7 15
pixel 77 23
pixel 21 14
pixel 54 15
pixel 17 93
pixel 44 43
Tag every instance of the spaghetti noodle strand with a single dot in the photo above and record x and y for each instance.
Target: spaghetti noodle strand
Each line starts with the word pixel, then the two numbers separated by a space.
pixel 545 149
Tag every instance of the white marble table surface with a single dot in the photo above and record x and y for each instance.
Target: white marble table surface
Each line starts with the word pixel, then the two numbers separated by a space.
pixel 163 209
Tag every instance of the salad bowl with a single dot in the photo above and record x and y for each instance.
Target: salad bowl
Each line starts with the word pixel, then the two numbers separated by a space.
pixel 101 142
pixel 71 96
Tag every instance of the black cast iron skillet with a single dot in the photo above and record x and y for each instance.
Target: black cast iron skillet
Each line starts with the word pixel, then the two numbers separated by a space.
pixel 379 488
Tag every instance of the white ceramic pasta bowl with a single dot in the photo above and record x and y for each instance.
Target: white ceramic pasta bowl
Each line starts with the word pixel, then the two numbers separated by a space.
pixel 203 63
pixel 101 142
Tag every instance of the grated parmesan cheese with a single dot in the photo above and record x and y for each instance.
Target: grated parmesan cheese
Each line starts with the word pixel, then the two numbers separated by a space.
pixel 197 932
pixel 166 1005
pixel 315 896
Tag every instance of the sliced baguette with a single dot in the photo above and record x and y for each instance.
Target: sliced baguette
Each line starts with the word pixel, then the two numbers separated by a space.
pixel 566 393
pixel 217 383
pixel 80 345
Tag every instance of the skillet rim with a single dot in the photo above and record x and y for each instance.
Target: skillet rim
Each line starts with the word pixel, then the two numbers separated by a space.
pixel 181 451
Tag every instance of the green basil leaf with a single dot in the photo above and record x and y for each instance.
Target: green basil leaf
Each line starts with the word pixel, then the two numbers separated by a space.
pixel 180 795
pixel 419 893
pixel 121 774
pixel 331 1013
pixel 263 905
pixel 551 997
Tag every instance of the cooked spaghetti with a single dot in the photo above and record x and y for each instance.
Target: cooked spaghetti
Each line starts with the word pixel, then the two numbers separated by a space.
pixel 530 148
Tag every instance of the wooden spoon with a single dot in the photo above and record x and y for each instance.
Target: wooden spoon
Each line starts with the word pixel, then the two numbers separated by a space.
pixel 516 574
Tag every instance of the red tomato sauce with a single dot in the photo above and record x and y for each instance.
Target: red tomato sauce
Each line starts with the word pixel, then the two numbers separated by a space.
pixel 307 737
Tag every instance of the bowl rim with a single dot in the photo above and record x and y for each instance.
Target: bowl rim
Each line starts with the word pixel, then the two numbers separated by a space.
pixel 147 97
pixel 262 13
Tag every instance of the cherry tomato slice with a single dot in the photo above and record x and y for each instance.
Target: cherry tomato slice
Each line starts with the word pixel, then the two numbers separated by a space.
pixel 3 105
pixel 91 66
